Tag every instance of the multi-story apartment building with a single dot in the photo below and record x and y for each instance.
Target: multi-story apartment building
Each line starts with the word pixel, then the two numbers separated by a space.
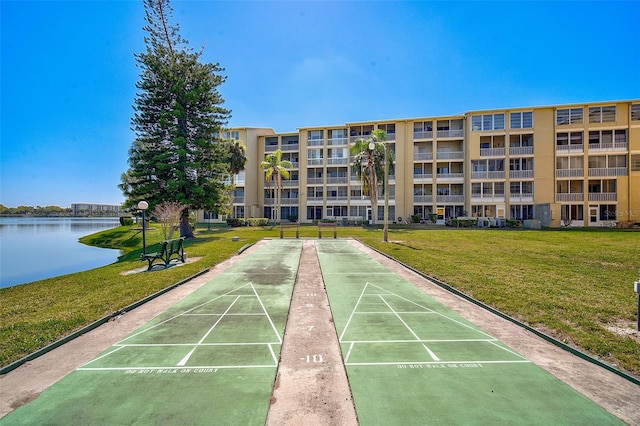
pixel 95 209
pixel 576 165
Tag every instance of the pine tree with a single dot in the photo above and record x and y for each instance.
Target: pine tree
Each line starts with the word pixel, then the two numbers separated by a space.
pixel 177 155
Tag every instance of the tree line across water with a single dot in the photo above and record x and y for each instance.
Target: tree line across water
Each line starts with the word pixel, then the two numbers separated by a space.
pixel 35 211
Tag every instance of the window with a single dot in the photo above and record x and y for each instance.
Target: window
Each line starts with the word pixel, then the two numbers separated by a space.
pixel 570 138
pixel 635 112
pixel 337 133
pixel 521 120
pixel 605 114
pixel 315 135
pixel 569 116
pixel 487 122
pixel 635 163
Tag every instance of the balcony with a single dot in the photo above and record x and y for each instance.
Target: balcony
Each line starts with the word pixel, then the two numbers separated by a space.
pixel 337 160
pixel 451 176
pixel 603 196
pixel 288 183
pixel 338 141
pixel 573 197
pixel 492 152
pixel 521 198
pixel 450 133
pixel 615 146
pixel 336 179
pixel 423 176
pixel 270 148
pixel 450 199
pixel 290 147
pixel 423 135
pixel 609 171
pixel 315 161
pixel 423 198
pixel 315 181
pixel 450 155
pixel 488 175
pixel 423 156
pixel 569 173
pixel 521 174
pixel 289 201
pixel 521 150
pixel 315 142
pixel 570 148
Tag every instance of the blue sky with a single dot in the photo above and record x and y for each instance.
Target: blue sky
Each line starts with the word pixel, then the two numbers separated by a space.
pixel 68 73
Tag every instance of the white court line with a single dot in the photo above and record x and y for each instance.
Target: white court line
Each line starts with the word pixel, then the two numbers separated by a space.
pixel 102 356
pixel 184 360
pixel 273 354
pixel 172 367
pixel 506 349
pixel 429 351
pixel 436 312
pixel 275 330
pixel 346 358
pixel 352 312
pixel 436 362
pixel 183 313
pixel 422 341
pixel 144 345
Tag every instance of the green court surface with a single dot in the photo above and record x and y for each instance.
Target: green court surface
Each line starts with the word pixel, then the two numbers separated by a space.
pixel 411 361
pixel 209 359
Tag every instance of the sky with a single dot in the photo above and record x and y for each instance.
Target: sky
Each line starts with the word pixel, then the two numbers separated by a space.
pixel 68 71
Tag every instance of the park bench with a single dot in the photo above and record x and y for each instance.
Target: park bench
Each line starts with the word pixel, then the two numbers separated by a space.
pixel 289 227
pixel 168 249
pixel 328 226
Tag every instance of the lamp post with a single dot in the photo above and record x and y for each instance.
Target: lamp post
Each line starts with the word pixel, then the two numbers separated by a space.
pixel 143 205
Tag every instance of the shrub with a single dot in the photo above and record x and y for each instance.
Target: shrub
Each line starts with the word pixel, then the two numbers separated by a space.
pixel 258 221
pixel 126 221
pixel 236 222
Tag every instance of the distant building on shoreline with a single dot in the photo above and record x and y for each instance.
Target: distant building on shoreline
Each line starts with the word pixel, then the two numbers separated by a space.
pixel 94 209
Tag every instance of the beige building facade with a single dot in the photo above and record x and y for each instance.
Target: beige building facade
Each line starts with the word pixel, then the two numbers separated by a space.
pixel 565 165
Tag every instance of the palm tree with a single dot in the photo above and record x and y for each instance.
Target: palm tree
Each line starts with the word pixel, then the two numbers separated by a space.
pixel 237 158
pixel 275 168
pixel 370 166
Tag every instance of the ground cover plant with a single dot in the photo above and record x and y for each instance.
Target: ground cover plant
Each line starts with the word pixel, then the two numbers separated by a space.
pixel 575 285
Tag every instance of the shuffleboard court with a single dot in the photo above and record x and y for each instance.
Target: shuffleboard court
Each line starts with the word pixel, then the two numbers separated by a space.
pixel 410 360
pixel 209 359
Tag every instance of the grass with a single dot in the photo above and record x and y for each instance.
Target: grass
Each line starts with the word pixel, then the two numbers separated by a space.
pixel 571 284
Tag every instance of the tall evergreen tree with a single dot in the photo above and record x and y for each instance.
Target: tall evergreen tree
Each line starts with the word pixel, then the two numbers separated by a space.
pixel 176 155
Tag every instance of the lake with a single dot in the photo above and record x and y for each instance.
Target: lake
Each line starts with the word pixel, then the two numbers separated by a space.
pixel 32 249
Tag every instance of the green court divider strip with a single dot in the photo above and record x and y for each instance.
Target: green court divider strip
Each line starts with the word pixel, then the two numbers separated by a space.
pixel 546 337
pixel 94 325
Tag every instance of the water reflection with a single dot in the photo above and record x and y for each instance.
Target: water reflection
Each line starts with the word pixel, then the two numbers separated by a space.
pixel 36 248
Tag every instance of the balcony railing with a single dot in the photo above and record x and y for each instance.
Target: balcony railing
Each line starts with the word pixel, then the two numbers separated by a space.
pixel 458 133
pixel 315 161
pixel 290 183
pixel 238 200
pixel 338 141
pixel 422 156
pixel 615 146
pixel 289 201
pixel 488 197
pixel 270 148
pixel 428 134
pixel 315 181
pixel 336 198
pixel 521 150
pixel 521 174
pixel 339 179
pixel 492 152
pixel 570 197
pixel 423 198
pixel 450 198
pixel 570 148
pixel 337 160
pixel 291 147
pixel 520 198
pixel 315 142
pixel 609 171
pixel 603 196
pixel 450 176
pixel 488 175
pixel 450 155
pixel 423 176
pixel 569 172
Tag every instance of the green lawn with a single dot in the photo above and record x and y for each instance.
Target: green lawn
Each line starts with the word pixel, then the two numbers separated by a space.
pixel 571 284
